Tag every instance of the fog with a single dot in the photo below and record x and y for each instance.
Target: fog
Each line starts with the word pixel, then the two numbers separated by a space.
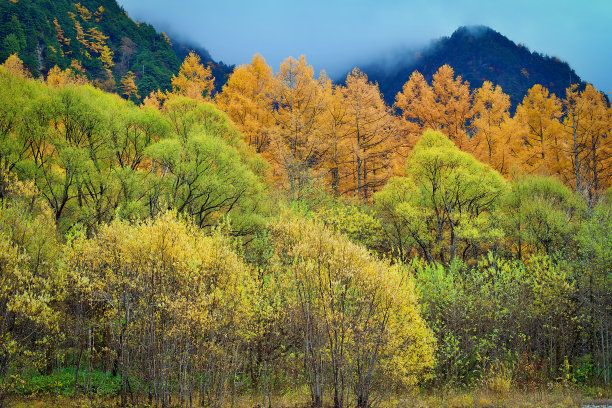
pixel 336 35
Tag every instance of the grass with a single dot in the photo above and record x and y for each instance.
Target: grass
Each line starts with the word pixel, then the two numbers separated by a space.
pixel 62 384
pixel 488 399
pixel 57 391
pixel 63 402
pixel 442 399
pixel 552 396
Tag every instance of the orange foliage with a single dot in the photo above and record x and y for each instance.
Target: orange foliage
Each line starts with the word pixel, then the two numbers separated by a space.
pixel 247 99
pixel 538 120
pixel 443 106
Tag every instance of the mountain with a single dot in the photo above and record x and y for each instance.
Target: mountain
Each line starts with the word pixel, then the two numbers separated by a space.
pixel 478 54
pixel 97 34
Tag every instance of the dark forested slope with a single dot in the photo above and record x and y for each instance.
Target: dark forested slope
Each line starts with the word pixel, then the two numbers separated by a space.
pixel 97 34
pixel 479 54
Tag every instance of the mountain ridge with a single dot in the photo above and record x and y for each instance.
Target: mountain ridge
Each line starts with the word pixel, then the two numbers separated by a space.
pixel 478 54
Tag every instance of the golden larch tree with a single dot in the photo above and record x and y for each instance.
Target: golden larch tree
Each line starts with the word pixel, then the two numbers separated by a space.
pixel 106 57
pixel 15 65
pixel 538 119
pixel 97 40
pixel 298 147
pixel 61 39
pixel 335 131
pixel 247 99
pixel 156 99
pixel 98 14
pixel 446 105
pixel 59 78
pixel 453 105
pixel 128 86
pixel 417 104
pixel 494 140
pixel 193 80
pixel 83 11
pixel 586 139
pixel 372 135
pixel 77 66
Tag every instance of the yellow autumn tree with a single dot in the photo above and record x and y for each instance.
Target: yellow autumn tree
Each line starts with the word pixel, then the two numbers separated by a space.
pixel 297 144
pixel 358 317
pixel 97 40
pixel 372 136
pixel 166 38
pixel 193 80
pixel 59 78
pixel 417 104
pixel 155 99
pixel 538 119
pixel 128 86
pixel 586 141
pixel 80 33
pixel 166 293
pixel 15 65
pixel 106 57
pixel 335 131
pixel 494 139
pixel 76 65
pixel 247 100
pixel 446 105
pixel 453 105
pixel 63 41
pixel 83 11
pixel 98 14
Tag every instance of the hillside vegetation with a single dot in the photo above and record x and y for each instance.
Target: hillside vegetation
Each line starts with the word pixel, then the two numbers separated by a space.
pixel 97 38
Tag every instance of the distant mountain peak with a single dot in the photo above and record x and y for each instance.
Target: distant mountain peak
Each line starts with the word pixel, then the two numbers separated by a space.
pixel 479 53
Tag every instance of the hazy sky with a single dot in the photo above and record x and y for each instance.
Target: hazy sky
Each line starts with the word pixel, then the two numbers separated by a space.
pixel 337 34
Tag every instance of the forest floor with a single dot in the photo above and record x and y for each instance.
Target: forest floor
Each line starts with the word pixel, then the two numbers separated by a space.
pixel 567 398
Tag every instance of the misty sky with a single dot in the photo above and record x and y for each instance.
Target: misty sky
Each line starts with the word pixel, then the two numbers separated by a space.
pixel 337 34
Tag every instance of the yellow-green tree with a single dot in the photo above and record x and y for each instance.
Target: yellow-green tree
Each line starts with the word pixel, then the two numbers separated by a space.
pixel 14 119
pixel 205 170
pixel 358 317
pixel 31 284
pixel 446 200
pixel 539 213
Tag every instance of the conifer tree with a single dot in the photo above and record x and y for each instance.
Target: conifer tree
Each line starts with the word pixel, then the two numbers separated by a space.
pixel 193 80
